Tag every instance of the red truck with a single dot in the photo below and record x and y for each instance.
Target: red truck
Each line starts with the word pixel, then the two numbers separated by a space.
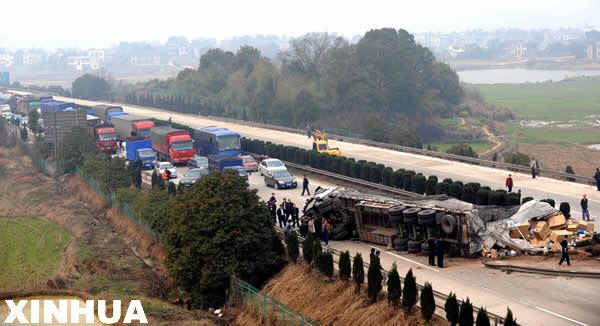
pixel 170 144
pixel 105 137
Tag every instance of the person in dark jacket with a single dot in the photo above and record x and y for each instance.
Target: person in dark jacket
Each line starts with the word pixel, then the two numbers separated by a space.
pixel 305 186
pixel 295 215
pixel 273 199
pixel 326 231
pixel 431 243
pixel 281 216
pixel 584 208
pixel 372 254
pixel 439 250
pixel 565 252
pixel 304 227
pixel 318 224
pixel 597 177
pixel 509 183
pixel 288 208
pixel 273 211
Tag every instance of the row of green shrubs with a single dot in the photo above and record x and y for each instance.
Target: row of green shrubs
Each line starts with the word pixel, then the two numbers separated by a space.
pixel 378 173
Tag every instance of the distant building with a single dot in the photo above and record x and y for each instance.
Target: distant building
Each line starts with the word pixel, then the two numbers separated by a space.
pixel 31 59
pixel 7 59
pixel 97 55
pixel 144 60
pixel 593 51
pixel 517 49
pixel 82 63
pixel 455 51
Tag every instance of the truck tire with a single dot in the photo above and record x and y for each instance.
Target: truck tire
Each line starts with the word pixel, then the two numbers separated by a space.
pixel 413 244
pixel 396 219
pixel 410 214
pixel 448 223
pixel 425 246
pixel 402 248
pixel 341 235
pixel 414 250
pixel 396 210
pixel 337 229
pixel 426 217
pixel 400 242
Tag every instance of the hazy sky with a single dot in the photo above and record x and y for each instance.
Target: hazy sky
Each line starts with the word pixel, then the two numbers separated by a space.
pixel 87 23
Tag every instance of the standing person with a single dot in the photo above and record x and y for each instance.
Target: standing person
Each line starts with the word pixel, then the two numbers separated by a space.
pixel 431 243
pixel 288 209
pixel 383 273
pixel 305 186
pixel 597 177
pixel 288 226
pixel 273 210
pixel 326 230
pixel 304 227
pixel 295 213
pixel 509 183
pixel 565 252
pixel 273 199
pixel 439 249
pixel 318 227
pixel 371 254
pixel 533 165
pixel 311 227
pixel 308 129
pixel 281 215
pixel 584 208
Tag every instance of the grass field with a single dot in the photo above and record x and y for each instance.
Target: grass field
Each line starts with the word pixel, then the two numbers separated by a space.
pixel 477 147
pixel 31 249
pixel 449 122
pixel 559 101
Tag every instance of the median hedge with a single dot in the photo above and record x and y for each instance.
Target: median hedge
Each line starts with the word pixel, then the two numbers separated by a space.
pixel 409 180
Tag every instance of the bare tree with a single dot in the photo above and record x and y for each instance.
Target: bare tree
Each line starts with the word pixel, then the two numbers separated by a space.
pixel 309 52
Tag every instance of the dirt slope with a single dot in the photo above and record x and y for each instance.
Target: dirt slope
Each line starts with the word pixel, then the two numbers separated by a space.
pixel 331 303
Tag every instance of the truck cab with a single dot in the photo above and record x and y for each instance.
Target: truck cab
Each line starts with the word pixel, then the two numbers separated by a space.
pixel 145 157
pixel 106 139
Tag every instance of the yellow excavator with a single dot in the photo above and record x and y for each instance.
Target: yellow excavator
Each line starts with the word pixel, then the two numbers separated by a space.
pixel 321 145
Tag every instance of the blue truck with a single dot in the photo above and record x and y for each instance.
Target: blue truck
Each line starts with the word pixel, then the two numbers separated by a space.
pixel 223 162
pixel 140 152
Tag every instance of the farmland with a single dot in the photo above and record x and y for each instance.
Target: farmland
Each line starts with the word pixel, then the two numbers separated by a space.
pixel 31 248
pixel 559 101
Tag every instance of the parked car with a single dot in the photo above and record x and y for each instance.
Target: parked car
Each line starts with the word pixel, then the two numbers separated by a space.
pixel 198 162
pixel 160 167
pixel 281 179
pixel 249 163
pixel 270 165
pixel 193 176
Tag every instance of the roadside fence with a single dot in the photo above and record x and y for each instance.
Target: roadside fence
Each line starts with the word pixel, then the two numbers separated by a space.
pixel 266 308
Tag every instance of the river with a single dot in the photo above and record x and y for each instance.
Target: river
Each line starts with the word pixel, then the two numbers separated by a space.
pixel 519 75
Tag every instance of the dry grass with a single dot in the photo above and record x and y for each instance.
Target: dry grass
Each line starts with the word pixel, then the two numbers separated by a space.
pixel 86 194
pixel 331 303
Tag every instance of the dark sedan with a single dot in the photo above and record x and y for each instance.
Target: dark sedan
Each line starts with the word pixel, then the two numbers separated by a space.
pixel 198 162
pixel 280 179
pixel 193 176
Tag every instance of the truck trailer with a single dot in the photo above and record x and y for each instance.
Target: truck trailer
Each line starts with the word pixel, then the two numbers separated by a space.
pixel 170 144
pixel 105 111
pixel 129 125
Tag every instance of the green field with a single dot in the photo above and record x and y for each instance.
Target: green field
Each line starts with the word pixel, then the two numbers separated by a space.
pixel 31 249
pixel 542 135
pixel 477 147
pixel 558 101
pixel 449 122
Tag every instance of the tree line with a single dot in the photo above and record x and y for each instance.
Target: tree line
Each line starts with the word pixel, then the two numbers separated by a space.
pixel 386 85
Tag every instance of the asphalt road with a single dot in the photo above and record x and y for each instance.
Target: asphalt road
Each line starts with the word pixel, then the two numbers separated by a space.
pixel 538 188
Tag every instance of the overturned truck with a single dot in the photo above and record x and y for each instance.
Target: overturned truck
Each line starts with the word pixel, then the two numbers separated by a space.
pixel 406 223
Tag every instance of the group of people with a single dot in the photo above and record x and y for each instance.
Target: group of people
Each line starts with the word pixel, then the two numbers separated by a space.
pixel 287 214
pixel 436 248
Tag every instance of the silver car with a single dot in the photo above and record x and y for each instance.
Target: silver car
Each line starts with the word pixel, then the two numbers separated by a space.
pixel 160 167
pixel 268 166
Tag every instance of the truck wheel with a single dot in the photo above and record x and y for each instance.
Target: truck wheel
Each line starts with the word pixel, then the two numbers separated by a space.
pixel 414 244
pixel 426 217
pixel 410 214
pixel 448 223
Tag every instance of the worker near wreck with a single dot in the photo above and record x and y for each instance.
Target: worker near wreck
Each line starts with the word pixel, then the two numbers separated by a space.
pixel 565 252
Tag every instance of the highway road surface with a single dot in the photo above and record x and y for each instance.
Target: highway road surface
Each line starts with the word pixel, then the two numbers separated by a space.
pixel 539 188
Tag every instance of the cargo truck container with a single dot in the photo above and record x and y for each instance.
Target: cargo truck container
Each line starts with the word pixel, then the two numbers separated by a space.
pixel 170 144
pixel 131 126
pixel 105 137
pixel 105 111
pixel 139 151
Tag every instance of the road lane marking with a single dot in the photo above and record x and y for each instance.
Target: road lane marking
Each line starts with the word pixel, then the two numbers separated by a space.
pixel 409 260
pixel 561 316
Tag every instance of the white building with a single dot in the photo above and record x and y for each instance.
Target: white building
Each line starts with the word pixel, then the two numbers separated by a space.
pixel 454 52
pixel 7 59
pixel 31 59
pixel 517 50
pixel 97 55
pixel 82 63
